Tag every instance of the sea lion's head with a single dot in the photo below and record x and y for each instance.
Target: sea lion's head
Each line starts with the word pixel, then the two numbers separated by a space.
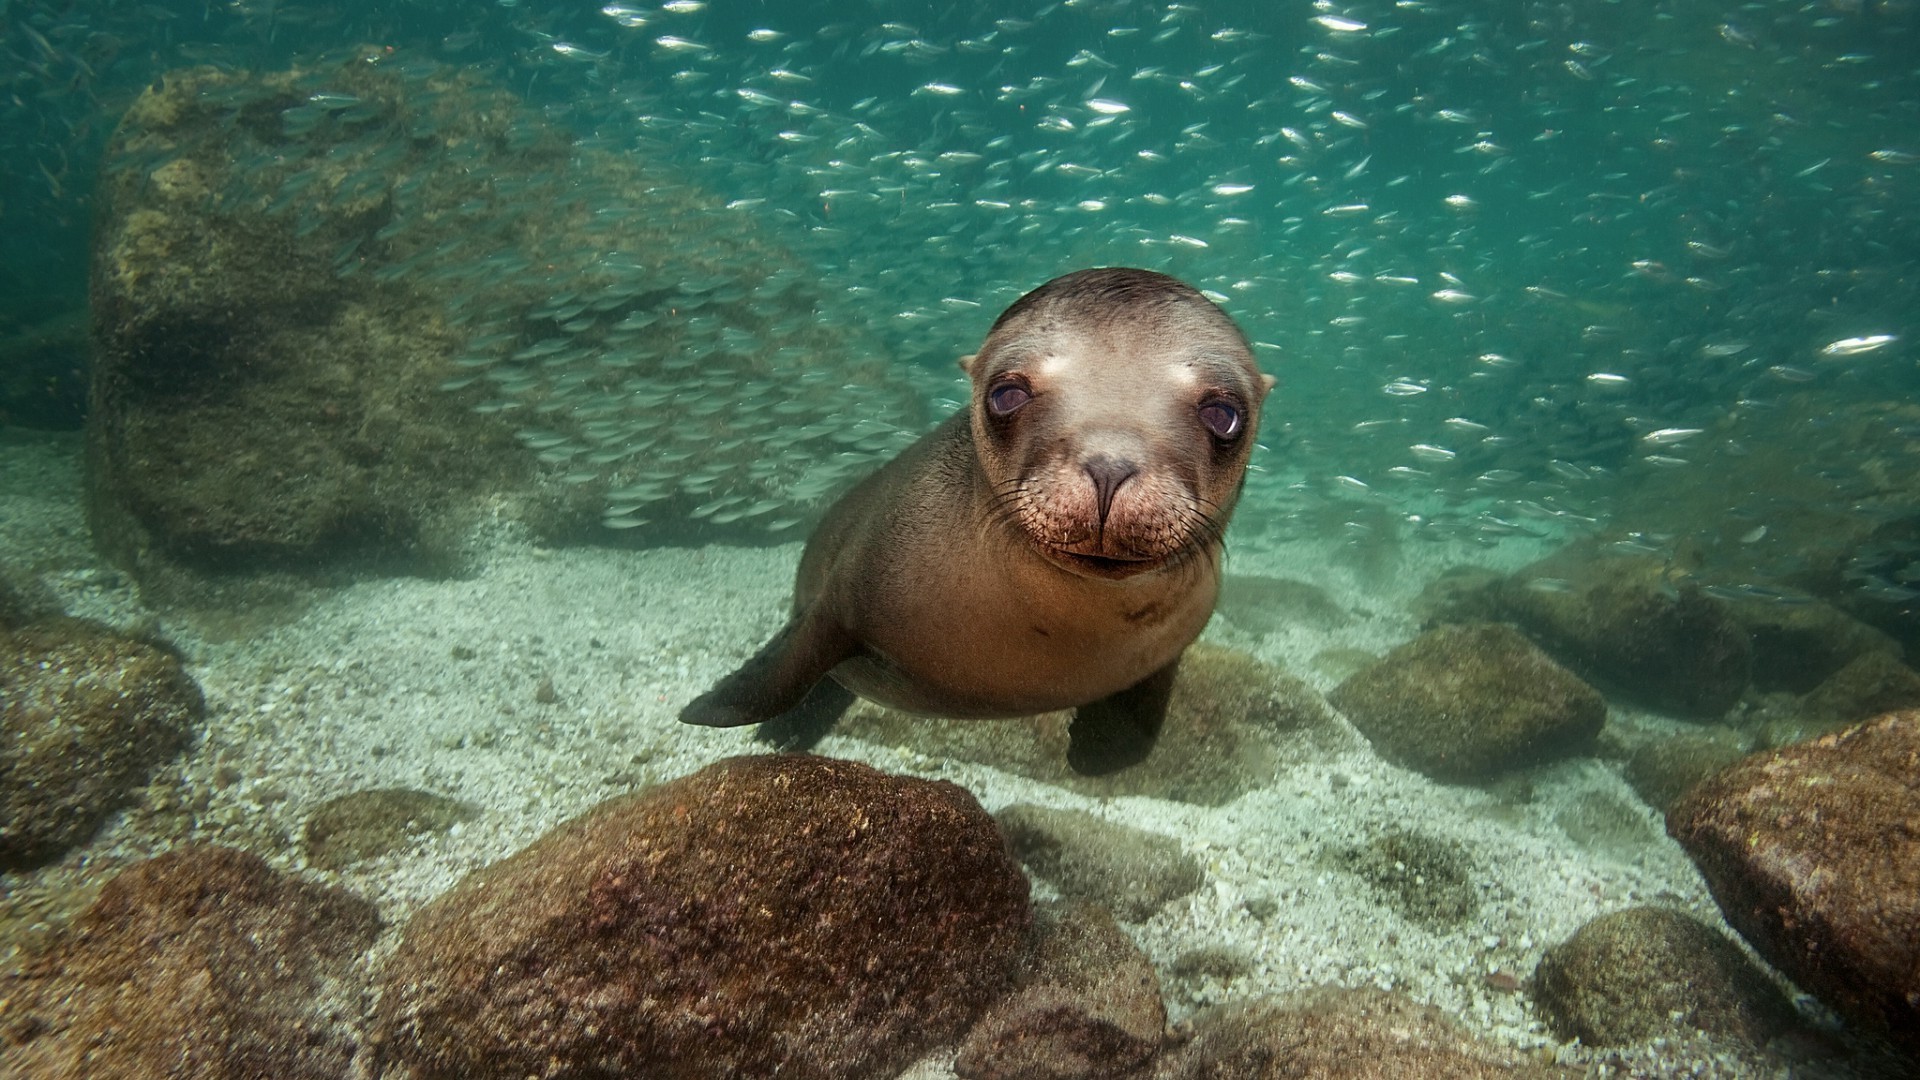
pixel 1113 412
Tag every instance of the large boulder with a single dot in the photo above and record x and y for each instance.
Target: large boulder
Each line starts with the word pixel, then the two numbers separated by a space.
pixel 204 963
pixel 1648 972
pixel 1626 622
pixel 1813 853
pixel 1130 871
pixel 784 916
pixel 86 715
pixel 1463 703
pixel 344 313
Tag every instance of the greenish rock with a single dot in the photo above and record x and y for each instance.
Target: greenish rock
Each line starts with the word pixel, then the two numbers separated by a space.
pixel 367 824
pixel 86 715
pixel 43 373
pixel 340 343
pixel 1131 872
pixel 1648 972
pixel 1796 647
pixel 1629 623
pixel 1263 605
pixel 1464 703
pixel 1661 770
pixel 1426 879
pixel 1871 685
pixel 1230 722
pixel 1603 822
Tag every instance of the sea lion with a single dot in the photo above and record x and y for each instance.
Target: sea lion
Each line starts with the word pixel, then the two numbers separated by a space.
pixel 1055 545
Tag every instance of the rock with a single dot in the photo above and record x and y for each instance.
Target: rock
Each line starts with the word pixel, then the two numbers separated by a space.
pixel 1130 871
pixel 203 962
pixel 318 333
pixel 365 824
pixel 782 915
pixel 1428 880
pixel 1463 703
pixel 1661 770
pixel 1088 1008
pixel 1264 605
pixel 1227 720
pixel 1813 853
pixel 43 373
pixel 1648 973
pixel 85 716
pixel 1335 1034
pixel 1873 684
pixel 1621 621
pixel 1796 647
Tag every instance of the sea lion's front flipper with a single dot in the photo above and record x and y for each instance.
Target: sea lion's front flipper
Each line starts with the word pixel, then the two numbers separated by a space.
pixel 779 678
pixel 1118 730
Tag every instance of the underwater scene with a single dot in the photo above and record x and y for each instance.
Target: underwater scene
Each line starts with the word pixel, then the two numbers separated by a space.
pixel 845 539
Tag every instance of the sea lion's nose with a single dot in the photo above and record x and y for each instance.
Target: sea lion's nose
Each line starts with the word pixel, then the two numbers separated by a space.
pixel 1107 474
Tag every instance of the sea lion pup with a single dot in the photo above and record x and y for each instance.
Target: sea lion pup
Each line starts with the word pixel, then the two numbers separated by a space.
pixel 1056 545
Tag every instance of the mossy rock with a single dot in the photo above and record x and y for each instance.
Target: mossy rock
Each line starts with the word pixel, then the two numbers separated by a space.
pixel 368 824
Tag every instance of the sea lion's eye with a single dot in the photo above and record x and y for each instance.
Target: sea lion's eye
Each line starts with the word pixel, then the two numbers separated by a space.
pixel 1221 418
pixel 1007 397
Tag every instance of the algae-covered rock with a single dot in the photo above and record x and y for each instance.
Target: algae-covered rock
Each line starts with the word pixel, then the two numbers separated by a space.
pixel 1463 703
pixel 1873 684
pixel 343 313
pixel 86 714
pixel 1426 879
pixel 1337 1034
pixel 1624 621
pixel 1229 722
pixel 1130 871
pixel 787 916
pixel 1661 770
pixel 366 824
pixel 1812 853
pixel 1648 972
pixel 1262 605
pixel 1798 646
pixel 202 963
pixel 1088 1007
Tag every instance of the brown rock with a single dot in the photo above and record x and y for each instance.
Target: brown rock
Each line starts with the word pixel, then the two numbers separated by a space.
pixel 1130 871
pixel 1662 769
pixel 1796 647
pixel 1649 972
pixel 1813 853
pixel 86 714
pixel 1463 703
pixel 1088 1008
pixel 201 963
pixel 1875 683
pixel 1335 1034
pixel 1228 714
pixel 784 915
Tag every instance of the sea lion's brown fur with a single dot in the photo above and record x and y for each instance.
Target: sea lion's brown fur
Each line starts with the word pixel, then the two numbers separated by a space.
pixel 1059 553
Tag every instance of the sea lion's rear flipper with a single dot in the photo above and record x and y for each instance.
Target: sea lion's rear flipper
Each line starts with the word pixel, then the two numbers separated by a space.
pixel 803 726
pixel 1118 730
pixel 780 679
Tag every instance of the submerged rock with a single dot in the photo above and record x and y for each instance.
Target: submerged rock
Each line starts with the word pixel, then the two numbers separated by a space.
pixel 1464 703
pixel 1648 972
pixel 203 963
pixel 1228 721
pixel 1088 1007
pixel 1812 853
pixel 86 715
pixel 365 824
pixel 785 915
pixel 1336 1034
pixel 1130 871
pixel 1798 646
pixel 1873 684
pixel 1426 879
pixel 343 313
pixel 1623 622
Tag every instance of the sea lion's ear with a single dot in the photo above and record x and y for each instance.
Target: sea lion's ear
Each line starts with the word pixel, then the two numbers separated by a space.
pixel 967 362
pixel 1266 384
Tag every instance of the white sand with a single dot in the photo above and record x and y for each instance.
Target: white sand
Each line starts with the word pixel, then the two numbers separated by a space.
pixel 361 688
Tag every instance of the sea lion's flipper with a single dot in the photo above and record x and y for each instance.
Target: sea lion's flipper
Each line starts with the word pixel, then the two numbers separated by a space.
pixel 1118 730
pixel 778 678
pixel 803 726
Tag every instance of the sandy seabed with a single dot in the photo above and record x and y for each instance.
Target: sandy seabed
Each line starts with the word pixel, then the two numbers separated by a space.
pixel 548 680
